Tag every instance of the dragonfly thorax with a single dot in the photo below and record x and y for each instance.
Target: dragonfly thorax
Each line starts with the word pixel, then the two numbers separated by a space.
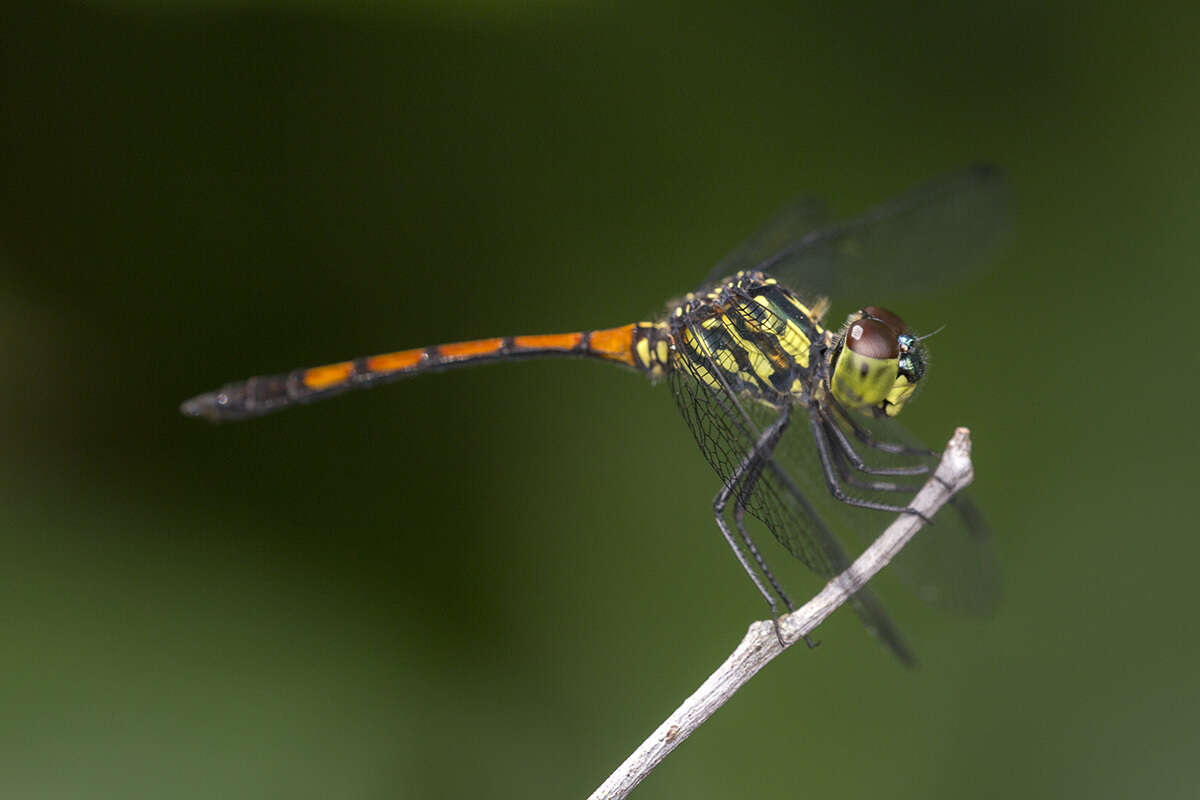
pixel 876 362
pixel 751 335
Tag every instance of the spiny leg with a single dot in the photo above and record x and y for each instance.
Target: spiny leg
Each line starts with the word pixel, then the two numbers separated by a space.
pixel 845 448
pixel 848 477
pixel 739 518
pixel 838 437
pixel 739 514
pixel 830 471
pixel 743 480
pixel 855 459
pixel 721 499
pixel 867 438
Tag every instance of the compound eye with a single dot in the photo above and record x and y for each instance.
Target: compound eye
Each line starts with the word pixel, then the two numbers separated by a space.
pixel 889 318
pixel 872 339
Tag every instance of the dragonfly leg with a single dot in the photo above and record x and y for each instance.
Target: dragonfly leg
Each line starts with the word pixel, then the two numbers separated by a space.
pixel 848 477
pixel 867 438
pixel 831 478
pixel 739 486
pixel 838 437
pixel 739 514
pixel 718 513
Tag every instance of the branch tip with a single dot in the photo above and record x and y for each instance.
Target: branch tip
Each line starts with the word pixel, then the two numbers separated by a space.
pixel 760 646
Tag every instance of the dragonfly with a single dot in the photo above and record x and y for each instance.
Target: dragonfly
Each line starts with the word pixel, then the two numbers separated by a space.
pixel 797 419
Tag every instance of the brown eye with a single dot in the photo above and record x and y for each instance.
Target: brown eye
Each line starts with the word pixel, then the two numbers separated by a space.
pixel 889 318
pixel 872 339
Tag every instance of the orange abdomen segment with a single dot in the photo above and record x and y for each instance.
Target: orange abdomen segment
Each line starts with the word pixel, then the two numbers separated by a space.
pixel 627 344
pixel 549 341
pixel 328 375
pixel 613 344
pixel 391 362
pixel 471 349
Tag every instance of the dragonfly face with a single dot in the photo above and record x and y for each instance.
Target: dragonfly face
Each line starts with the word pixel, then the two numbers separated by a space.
pixel 745 357
pixel 876 363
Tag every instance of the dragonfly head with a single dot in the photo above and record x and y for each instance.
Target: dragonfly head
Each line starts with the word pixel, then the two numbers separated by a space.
pixel 876 362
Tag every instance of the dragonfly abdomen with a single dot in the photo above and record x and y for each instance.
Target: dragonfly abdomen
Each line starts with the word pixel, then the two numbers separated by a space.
pixel 641 345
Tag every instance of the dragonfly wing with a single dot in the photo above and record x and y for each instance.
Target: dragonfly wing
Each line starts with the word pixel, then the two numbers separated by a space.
pixel 920 240
pixel 950 563
pixel 790 223
pixel 726 429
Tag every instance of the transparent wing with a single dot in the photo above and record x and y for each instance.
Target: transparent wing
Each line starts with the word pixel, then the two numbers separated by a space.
pixel 920 240
pixel 725 436
pixel 790 223
pixel 950 563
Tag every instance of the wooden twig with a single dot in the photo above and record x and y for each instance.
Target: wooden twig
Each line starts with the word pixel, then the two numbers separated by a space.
pixel 760 644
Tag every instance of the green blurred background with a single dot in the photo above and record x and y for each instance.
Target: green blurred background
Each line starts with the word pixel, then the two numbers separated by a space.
pixel 499 580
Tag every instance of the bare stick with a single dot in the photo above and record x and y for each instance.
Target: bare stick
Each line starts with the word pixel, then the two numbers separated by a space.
pixel 760 645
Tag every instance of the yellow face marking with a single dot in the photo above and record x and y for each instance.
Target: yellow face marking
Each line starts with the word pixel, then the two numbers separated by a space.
pixel 860 381
pixel 328 375
pixel 901 391
pixel 662 351
pixel 476 347
pixel 391 362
